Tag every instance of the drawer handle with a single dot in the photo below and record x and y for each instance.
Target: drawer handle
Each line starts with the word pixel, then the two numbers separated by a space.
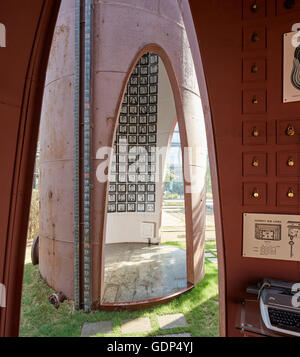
pixel 254 7
pixel 290 193
pixel 255 193
pixel 255 132
pixel 254 68
pixel 290 162
pixel 255 37
pixel 254 101
pixel 290 131
pixel 255 163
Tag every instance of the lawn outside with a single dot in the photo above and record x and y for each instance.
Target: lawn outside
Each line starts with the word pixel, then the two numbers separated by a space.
pixel 40 319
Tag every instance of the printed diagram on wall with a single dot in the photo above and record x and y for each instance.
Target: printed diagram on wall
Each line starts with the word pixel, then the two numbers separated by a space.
pixel 291 67
pixel 268 231
pixel 293 233
pixel 271 236
pixel 132 172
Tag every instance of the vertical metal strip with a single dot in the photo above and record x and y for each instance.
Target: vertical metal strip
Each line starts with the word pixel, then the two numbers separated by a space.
pixel 77 158
pixel 87 155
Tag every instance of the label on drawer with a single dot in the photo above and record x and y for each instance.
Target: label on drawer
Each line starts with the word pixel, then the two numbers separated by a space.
pixel 271 236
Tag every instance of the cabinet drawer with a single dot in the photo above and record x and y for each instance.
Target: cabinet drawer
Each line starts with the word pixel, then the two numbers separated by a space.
pixel 288 163
pixel 253 9
pixel 254 164
pixel 255 193
pixel 287 194
pixel 254 69
pixel 288 132
pixel 287 7
pixel 254 101
pixel 254 38
pixel 255 132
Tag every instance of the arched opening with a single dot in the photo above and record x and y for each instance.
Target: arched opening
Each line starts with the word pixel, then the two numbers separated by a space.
pixel 174 82
pixel 138 268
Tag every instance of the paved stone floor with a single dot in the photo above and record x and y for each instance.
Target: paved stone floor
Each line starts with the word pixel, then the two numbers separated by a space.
pixel 138 325
pixel 142 324
pixel 93 328
pixel 171 321
pixel 135 272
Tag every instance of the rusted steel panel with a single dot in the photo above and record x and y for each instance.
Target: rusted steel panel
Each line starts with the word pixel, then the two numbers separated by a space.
pixel 23 66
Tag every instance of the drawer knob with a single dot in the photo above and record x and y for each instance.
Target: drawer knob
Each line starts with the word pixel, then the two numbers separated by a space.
pixel 290 131
pixel 254 68
pixel 290 162
pixel 255 163
pixel 290 193
pixel 254 7
pixel 255 193
pixel 254 101
pixel 255 132
pixel 255 37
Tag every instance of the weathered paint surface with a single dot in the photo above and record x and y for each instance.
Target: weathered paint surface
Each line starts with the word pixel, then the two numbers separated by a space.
pixel 144 26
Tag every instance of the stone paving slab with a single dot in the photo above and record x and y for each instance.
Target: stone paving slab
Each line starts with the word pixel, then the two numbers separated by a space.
pixel 177 335
pixel 172 321
pixel 142 324
pixel 213 260
pixel 93 328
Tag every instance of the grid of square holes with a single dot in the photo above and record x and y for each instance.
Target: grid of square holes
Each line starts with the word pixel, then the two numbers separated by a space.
pixel 133 170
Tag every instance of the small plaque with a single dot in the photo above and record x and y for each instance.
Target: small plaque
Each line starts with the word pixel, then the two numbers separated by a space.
pixel 270 236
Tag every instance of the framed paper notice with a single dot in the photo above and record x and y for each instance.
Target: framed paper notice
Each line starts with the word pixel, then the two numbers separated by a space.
pixel 291 67
pixel 271 236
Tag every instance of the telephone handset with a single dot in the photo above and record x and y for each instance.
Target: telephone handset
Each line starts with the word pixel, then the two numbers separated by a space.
pixel 279 305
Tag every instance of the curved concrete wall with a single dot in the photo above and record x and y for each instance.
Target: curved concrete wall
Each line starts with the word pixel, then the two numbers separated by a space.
pixel 56 164
pixel 122 32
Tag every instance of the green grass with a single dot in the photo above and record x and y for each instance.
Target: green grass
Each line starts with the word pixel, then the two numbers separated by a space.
pixel 40 318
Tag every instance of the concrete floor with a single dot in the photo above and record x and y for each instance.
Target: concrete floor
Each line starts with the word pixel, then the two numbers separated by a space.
pixel 136 272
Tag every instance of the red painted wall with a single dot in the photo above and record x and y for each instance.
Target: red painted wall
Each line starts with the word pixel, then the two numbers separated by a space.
pixel 227 51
